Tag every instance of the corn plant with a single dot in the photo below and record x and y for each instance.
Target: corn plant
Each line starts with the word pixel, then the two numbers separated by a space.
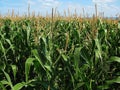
pixel 43 53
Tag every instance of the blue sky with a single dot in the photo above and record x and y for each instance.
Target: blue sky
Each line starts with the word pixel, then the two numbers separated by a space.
pixel 109 7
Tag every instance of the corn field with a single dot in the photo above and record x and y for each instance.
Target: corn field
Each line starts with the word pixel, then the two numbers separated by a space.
pixel 61 53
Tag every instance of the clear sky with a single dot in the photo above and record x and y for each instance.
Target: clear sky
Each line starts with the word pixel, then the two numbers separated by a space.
pixel 109 7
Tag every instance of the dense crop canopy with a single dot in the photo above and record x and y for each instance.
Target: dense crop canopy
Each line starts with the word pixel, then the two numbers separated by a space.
pixel 76 54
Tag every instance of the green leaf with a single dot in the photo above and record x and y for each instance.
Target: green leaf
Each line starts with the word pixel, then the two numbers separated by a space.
pixel 2 86
pixel 85 55
pixel 11 46
pixel 102 87
pixel 4 82
pixel 98 47
pixel 77 60
pixel 14 69
pixel 64 57
pixel 48 68
pixel 116 80
pixel 19 86
pixel 28 63
pixel 79 85
pixel 28 34
pixel 77 53
pixel 108 83
pixel 114 59
pixel 35 53
pixel 2 65
pixel 8 79
pixel 2 48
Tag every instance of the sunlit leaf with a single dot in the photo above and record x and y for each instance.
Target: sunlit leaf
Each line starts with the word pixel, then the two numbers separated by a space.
pixel 114 59
pixel 28 63
pixel 14 69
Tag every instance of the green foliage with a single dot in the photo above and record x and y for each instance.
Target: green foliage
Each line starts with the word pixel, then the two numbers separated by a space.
pixel 76 55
